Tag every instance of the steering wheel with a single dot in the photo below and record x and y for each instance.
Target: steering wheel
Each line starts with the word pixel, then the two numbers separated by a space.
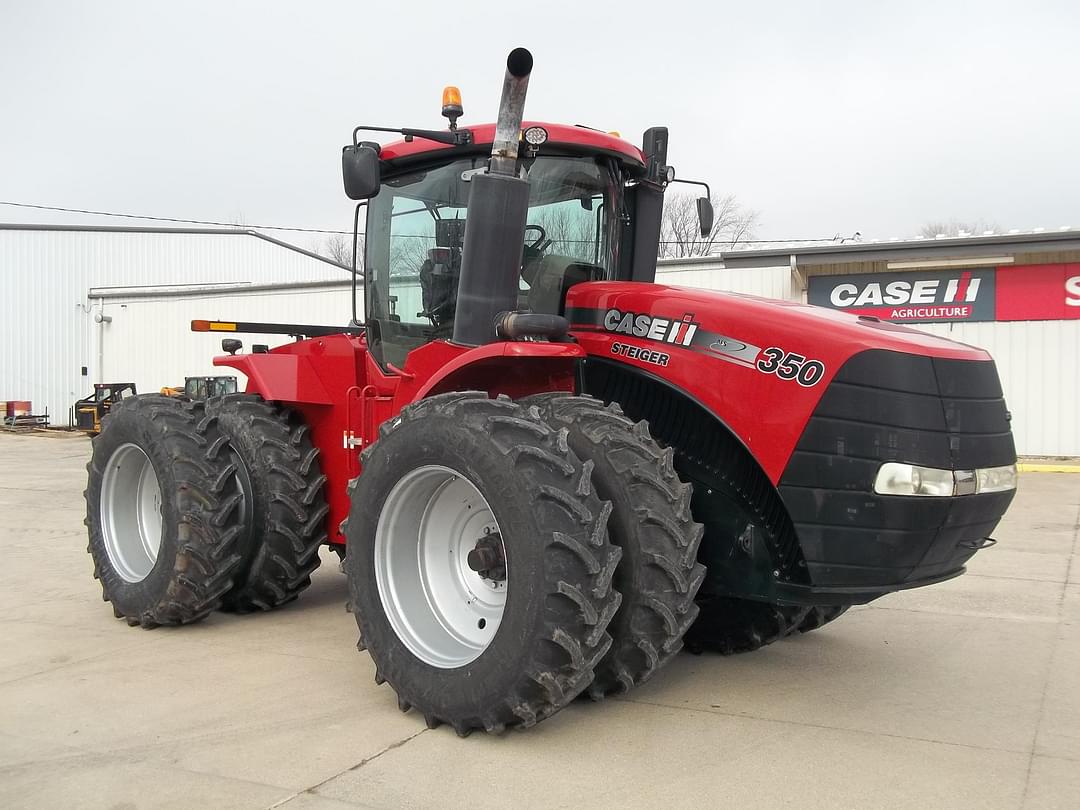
pixel 536 243
pixel 533 254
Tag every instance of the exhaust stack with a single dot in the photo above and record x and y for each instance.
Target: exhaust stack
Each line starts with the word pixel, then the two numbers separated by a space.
pixel 504 149
pixel 495 221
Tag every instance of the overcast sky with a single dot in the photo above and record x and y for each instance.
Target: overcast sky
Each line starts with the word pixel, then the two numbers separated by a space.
pixel 824 117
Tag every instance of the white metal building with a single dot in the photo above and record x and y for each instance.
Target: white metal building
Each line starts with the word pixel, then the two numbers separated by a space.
pixel 67 322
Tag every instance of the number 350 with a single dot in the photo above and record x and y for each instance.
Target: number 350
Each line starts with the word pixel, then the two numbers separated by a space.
pixel 791 366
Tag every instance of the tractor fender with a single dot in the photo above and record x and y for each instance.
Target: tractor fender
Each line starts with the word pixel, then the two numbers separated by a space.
pixel 512 368
pixel 279 377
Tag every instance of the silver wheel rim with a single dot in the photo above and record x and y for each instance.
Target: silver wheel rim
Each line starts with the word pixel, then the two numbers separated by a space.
pixel 131 513
pixel 443 611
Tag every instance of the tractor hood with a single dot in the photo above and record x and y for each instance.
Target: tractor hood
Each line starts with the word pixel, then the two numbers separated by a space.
pixel 760 366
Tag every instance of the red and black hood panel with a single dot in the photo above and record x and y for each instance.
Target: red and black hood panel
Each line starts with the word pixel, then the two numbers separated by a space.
pixel 821 399
pixel 887 406
pixel 758 365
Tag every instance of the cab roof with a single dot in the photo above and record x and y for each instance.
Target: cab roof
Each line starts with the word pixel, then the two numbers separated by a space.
pixel 571 138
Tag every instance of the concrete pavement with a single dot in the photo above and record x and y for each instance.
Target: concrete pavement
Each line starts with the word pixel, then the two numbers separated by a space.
pixel 966 694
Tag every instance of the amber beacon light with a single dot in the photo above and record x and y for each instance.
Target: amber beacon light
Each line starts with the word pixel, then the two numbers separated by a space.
pixel 451 104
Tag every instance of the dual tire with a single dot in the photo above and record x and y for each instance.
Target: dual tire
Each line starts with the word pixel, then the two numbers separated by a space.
pixel 569 488
pixel 458 478
pixel 194 507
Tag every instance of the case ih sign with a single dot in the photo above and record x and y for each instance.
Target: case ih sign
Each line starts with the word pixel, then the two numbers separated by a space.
pixel 1038 292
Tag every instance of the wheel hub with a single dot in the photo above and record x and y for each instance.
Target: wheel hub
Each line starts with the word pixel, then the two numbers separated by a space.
pixel 487 558
pixel 440 566
pixel 131 521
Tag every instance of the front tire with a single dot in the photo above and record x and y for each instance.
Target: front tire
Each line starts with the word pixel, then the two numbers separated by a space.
pixel 460 475
pixel 659 575
pixel 161 512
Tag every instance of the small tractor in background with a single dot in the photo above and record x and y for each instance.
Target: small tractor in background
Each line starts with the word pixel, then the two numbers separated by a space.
pixel 202 387
pixel 544 471
pixel 89 411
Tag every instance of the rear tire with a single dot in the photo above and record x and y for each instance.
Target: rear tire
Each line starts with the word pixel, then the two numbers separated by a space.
pixel 728 625
pixel 285 508
pixel 659 575
pixel 161 511
pixel 820 616
pixel 505 475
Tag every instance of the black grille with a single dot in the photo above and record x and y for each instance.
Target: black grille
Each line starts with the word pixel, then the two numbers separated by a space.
pixel 888 406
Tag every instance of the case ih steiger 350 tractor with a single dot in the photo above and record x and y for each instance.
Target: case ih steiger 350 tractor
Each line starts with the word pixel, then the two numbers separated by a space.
pixel 542 469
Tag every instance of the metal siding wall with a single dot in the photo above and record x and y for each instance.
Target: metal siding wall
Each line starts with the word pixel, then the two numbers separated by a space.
pixel 45 275
pixel 150 341
pixel 1039 364
pixel 768 282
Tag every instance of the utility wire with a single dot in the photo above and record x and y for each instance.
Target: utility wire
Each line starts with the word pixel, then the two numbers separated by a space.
pixel 171 219
pixel 343 233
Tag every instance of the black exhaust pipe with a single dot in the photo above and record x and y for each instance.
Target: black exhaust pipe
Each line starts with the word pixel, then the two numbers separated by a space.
pixel 495 222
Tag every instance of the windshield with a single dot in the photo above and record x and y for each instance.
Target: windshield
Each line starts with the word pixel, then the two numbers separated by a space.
pixel 415 230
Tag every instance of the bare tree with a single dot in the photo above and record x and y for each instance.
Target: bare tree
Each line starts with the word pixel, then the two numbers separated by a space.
pixel 408 253
pixel 680 232
pixel 338 248
pixel 955 227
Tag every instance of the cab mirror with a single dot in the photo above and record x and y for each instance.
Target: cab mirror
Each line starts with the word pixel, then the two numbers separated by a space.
pixel 360 171
pixel 705 216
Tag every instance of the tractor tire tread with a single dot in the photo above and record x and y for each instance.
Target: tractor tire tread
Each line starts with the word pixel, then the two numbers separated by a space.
pixel 729 625
pixel 207 557
pixel 820 616
pixel 659 574
pixel 283 549
pixel 579 600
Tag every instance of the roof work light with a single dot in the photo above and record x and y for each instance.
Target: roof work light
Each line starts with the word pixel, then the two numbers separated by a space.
pixel 535 136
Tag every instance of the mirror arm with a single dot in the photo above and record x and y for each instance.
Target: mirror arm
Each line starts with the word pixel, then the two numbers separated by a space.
pixel 708 192
pixel 457 137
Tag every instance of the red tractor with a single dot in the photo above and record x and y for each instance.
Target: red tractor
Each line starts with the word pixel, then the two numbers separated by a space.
pixel 543 470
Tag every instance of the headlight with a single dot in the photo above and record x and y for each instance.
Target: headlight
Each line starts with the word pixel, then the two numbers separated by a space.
pixel 909 479
pixel 996 479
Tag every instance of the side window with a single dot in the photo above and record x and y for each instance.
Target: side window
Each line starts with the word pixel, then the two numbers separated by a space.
pixel 572 228
pixel 415 233
pixel 413 247
pixel 425 263
pixel 566 240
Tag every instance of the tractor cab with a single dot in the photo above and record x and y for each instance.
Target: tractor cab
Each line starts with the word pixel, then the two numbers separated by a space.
pixel 593 212
pixel 415 233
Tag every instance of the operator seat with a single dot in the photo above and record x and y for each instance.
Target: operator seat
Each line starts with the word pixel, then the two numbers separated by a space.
pixel 439 276
pixel 551 278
